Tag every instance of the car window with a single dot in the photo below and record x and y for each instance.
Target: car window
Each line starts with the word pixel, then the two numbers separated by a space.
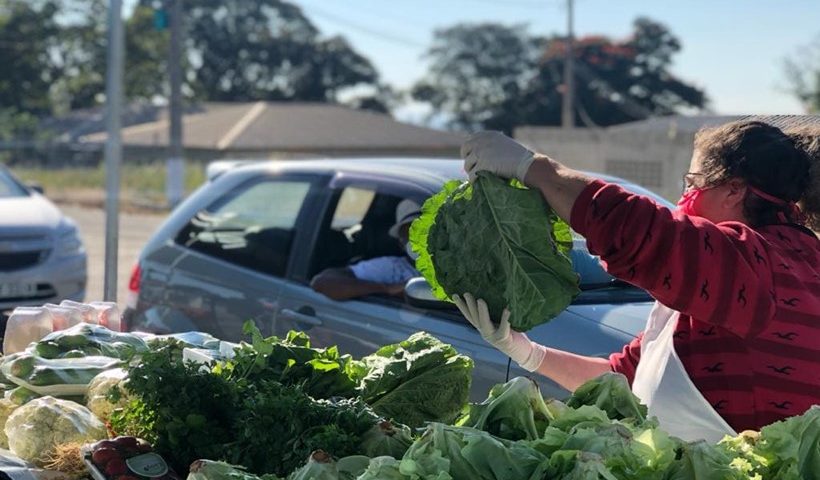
pixel 9 187
pixel 353 205
pixel 252 227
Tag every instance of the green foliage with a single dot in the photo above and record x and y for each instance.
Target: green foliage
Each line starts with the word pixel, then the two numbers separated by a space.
pixel 241 412
pixel 28 33
pixel 496 77
pixel 278 427
pixel 321 372
pixel 417 380
pixel 785 450
pixel 514 411
pixel 267 50
pixel 185 412
pixel 496 241
pixel 463 452
pixel 611 393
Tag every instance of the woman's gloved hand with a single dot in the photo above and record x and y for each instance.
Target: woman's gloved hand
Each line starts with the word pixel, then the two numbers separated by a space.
pixel 496 153
pixel 516 345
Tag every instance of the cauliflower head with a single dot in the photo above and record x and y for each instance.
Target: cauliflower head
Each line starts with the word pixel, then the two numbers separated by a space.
pixel 36 428
pixel 97 395
pixel 6 408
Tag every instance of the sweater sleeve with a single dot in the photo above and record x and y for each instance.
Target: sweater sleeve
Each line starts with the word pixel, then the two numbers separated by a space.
pixel 626 361
pixel 717 273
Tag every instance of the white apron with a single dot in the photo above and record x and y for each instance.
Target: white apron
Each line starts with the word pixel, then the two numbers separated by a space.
pixel 661 382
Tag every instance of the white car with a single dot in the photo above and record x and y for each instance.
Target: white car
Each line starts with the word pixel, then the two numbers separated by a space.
pixel 42 258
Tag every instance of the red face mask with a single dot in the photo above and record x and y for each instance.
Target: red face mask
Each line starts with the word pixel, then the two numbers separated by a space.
pixel 686 204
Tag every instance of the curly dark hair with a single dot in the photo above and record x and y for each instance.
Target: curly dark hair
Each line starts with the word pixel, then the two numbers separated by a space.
pixel 767 159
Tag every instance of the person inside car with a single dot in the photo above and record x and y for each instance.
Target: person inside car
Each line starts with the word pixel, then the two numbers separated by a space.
pixel 733 342
pixel 376 276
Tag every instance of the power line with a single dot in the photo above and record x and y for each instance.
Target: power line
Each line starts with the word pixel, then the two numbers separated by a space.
pixel 382 35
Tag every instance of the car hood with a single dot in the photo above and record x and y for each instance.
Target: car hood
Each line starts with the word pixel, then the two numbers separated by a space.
pixel 33 212
pixel 629 318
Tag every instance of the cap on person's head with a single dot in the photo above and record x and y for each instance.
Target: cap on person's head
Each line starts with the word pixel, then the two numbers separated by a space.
pixel 406 212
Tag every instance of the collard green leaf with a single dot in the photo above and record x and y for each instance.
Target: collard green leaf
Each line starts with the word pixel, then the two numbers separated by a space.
pixel 611 393
pixel 500 242
pixel 418 380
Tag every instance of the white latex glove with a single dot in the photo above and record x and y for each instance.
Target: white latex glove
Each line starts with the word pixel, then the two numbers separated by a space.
pixel 496 153
pixel 515 345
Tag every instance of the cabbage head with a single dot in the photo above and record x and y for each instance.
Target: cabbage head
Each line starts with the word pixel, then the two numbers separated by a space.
pixel 514 410
pixel 500 242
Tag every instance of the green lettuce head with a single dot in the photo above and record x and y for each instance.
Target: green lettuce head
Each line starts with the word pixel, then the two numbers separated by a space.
pixel 501 242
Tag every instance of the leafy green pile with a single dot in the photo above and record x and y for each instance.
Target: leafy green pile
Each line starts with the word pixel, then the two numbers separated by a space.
pixel 501 242
pixel 789 449
pixel 418 380
pixel 189 413
pixel 514 410
pixel 321 372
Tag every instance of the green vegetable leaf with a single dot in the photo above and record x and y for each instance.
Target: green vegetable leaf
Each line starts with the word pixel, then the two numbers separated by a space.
pixel 500 242
pixel 418 380
pixel 611 393
pixel 514 411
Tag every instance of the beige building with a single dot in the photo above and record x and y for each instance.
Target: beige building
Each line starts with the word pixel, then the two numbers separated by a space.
pixel 285 130
pixel 653 153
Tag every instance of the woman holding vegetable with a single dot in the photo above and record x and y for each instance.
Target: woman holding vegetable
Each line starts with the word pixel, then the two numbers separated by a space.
pixel 733 342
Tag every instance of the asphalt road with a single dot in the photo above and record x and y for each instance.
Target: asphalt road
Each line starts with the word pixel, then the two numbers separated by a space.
pixel 135 230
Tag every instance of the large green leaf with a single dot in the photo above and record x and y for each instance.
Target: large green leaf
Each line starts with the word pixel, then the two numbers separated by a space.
pixel 418 380
pixel 502 243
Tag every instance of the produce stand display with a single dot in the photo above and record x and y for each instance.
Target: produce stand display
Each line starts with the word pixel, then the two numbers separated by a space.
pixel 89 402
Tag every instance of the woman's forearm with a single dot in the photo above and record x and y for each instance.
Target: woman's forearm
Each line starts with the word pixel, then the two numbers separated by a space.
pixel 570 370
pixel 560 186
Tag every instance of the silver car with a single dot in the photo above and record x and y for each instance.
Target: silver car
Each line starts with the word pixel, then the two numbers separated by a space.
pixel 246 245
pixel 42 258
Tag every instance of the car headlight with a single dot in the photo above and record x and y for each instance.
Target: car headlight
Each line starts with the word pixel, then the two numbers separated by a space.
pixel 68 242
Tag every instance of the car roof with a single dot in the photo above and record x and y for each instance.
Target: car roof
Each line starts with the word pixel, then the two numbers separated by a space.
pixel 428 172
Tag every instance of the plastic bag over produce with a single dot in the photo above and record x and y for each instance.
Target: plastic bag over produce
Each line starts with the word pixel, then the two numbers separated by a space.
pixel 98 395
pixel 85 339
pixel 61 377
pixel 36 428
pixel 500 242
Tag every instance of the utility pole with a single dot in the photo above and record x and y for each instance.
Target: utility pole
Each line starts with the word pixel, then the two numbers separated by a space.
pixel 175 167
pixel 567 110
pixel 113 146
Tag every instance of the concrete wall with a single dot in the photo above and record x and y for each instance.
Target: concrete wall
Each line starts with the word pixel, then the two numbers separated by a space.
pixel 656 160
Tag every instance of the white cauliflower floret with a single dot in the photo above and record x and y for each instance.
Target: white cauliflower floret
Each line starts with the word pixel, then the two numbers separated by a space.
pixel 97 395
pixel 36 428
pixel 6 408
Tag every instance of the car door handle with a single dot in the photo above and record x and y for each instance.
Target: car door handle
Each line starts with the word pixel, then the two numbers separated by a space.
pixel 305 315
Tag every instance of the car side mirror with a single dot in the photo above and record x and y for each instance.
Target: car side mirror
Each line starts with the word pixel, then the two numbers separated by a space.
pixel 419 294
pixel 36 187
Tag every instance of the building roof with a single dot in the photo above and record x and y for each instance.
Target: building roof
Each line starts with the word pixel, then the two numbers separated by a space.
pixel 691 124
pixel 288 127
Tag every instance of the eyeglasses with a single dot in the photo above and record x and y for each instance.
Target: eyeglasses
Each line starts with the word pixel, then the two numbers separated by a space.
pixel 690 180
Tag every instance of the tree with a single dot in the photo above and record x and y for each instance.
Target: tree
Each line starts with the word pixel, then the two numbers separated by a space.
pixel 266 50
pixel 28 32
pixel 498 77
pixel 478 73
pixel 803 75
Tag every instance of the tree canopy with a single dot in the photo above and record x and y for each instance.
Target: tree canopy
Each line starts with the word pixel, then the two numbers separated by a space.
pixel 496 76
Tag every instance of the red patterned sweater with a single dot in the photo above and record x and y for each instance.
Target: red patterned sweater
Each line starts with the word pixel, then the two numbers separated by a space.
pixel 749 330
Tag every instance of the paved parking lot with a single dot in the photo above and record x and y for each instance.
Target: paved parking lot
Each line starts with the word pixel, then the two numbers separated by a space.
pixel 135 229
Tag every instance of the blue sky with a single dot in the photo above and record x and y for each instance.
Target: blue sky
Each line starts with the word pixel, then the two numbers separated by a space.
pixel 731 48
pixel 734 49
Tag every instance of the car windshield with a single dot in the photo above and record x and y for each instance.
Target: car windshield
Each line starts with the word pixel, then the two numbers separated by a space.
pixel 9 187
